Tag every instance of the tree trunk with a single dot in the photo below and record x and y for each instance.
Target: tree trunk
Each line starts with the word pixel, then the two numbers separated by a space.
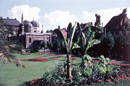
pixel 69 76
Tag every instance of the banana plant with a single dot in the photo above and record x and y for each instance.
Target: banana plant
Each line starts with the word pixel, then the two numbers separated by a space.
pixel 87 39
pixel 69 45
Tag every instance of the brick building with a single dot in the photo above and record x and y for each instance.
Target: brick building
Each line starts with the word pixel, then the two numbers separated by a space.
pixel 11 23
pixel 27 32
pixel 118 24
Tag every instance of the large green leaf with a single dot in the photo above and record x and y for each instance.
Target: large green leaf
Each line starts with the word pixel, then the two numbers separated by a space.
pixel 69 41
pixel 72 35
pixel 86 39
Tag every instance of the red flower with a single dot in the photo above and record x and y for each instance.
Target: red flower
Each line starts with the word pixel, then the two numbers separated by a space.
pixel 32 81
pixel 128 78
pixel 99 80
pixel 117 80
pixel 108 80
pixel 120 64
pixel 37 58
pixel 73 58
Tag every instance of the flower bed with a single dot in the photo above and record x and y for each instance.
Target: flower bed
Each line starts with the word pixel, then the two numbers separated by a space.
pixel 59 56
pixel 39 59
pixel 25 53
pixel 121 79
pixel 120 64
pixel 53 59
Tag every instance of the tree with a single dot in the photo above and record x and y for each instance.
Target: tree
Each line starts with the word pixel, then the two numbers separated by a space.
pixel 49 45
pixel 58 46
pixel 43 45
pixel 107 43
pixel 69 45
pixel 7 45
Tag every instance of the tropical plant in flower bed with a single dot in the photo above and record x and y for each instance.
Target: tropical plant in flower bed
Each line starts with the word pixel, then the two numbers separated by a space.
pixel 87 72
pixel 98 71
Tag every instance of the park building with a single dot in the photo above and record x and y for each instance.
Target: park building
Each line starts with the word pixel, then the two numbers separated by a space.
pixel 28 33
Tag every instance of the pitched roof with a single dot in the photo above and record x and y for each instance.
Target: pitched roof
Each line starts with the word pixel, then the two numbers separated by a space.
pixel 11 22
pixel 116 21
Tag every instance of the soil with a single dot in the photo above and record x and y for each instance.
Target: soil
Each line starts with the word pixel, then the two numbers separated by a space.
pixel 124 70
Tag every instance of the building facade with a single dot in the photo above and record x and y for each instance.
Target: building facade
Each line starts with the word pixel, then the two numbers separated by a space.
pixel 118 24
pixel 27 32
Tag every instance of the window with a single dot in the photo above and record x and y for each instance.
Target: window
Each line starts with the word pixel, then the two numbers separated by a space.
pixel 29 40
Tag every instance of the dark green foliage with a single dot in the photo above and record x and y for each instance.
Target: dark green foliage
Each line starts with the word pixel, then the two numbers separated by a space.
pixel 101 70
pixel 86 38
pixel 37 45
pixel 122 47
pixel 43 44
pixel 56 75
pixel 8 45
pixel 49 31
pixel 107 41
pixel 49 45
pixel 105 47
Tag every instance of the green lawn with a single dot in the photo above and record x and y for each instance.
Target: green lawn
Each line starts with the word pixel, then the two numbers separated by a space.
pixel 10 75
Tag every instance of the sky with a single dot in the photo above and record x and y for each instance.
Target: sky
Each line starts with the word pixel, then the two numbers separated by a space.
pixel 54 13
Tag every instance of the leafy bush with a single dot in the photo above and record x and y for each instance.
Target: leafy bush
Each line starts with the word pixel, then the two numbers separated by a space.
pixel 101 70
pixel 56 75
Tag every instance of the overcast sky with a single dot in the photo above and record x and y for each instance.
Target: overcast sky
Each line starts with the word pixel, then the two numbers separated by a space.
pixel 52 13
